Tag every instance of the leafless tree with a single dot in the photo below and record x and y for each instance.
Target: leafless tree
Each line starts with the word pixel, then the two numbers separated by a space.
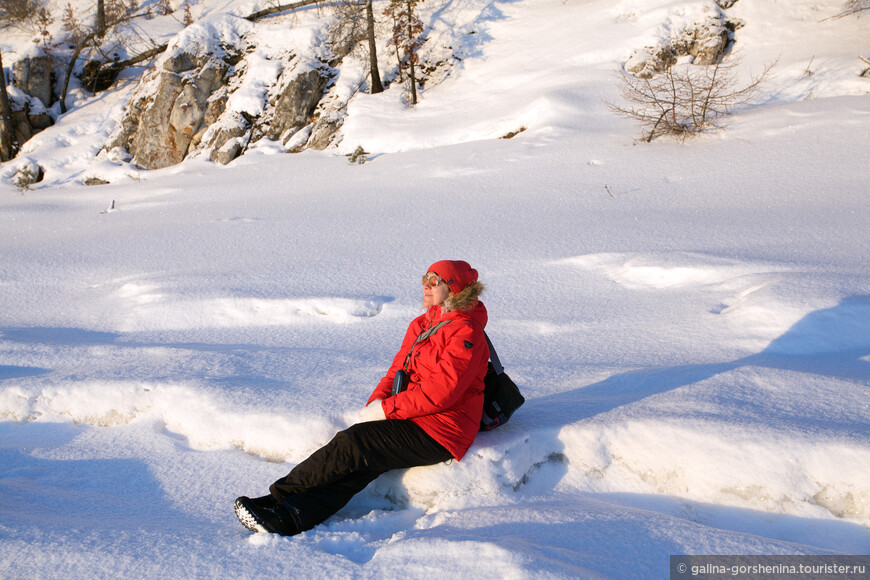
pixel 88 38
pixel 355 23
pixel 685 99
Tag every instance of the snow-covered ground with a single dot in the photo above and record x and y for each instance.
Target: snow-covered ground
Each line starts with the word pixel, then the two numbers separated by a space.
pixel 689 321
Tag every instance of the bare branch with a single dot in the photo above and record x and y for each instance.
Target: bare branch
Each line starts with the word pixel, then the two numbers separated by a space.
pixel 851 7
pixel 684 99
pixel 282 8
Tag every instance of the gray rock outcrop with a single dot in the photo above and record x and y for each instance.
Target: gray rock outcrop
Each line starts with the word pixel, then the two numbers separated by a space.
pixel 29 94
pixel 704 41
pixel 162 121
pixel 295 104
pixel 229 140
pixel 182 109
pixel 325 129
pixel 29 116
pixel 33 76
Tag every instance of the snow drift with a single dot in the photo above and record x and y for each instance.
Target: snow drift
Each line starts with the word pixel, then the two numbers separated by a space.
pixel 687 320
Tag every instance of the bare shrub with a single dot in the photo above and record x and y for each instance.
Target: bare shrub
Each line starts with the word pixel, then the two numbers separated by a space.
pixel 31 16
pixel 18 10
pixel 685 99
pixel 119 11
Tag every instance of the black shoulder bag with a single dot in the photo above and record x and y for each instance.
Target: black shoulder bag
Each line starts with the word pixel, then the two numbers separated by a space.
pixel 501 397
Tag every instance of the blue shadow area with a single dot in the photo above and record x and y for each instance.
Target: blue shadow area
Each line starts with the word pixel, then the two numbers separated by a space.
pixel 58 336
pixel 77 337
pixel 832 342
pixel 16 372
pixel 826 535
pixel 582 536
pixel 83 494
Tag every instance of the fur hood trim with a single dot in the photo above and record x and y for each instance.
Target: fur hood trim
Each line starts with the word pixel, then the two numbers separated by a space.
pixel 466 300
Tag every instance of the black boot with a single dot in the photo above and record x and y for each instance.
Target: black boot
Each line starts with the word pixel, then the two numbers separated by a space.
pixel 264 514
pixel 267 501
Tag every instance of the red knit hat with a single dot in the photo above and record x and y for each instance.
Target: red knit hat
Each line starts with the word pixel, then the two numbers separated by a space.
pixel 456 273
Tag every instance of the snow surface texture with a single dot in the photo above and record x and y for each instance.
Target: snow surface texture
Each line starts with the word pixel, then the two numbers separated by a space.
pixel 690 322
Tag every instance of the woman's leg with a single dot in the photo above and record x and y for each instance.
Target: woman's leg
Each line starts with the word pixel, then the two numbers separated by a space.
pixel 322 484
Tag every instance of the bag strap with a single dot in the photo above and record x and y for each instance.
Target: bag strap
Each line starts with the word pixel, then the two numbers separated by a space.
pixel 423 336
pixel 493 356
pixel 427 333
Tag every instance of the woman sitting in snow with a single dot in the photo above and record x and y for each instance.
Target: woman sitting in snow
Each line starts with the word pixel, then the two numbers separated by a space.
pixel 434 419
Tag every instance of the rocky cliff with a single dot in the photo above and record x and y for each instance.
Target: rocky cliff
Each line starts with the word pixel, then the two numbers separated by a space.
pixel 224 85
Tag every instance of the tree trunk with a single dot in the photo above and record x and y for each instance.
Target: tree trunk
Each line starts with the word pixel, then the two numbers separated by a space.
pixel 7 145
pixel 377 87
pixel 101 18
pixel 139 58
pixel 411 54
pixel 413 80
pixel 70 67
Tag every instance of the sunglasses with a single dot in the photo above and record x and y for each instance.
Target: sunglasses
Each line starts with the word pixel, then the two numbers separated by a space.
pixel 433 281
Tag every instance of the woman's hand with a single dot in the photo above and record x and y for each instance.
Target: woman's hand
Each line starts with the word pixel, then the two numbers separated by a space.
pixel 374 411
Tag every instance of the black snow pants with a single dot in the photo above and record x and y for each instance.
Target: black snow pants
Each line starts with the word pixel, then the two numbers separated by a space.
pixel 322 484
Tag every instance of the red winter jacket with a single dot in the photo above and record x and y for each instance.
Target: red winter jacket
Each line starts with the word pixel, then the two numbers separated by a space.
pixel 445 393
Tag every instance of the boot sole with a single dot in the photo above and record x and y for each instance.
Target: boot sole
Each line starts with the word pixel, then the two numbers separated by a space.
pixel 248 520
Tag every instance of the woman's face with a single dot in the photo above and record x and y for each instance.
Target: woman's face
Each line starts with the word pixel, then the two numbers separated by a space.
pixel 434 296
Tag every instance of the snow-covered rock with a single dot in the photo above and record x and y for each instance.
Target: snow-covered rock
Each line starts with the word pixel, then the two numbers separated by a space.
pixel 29 115
pixel 703 33
pixel 239 89
pixel 168 112
pixel 33 75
